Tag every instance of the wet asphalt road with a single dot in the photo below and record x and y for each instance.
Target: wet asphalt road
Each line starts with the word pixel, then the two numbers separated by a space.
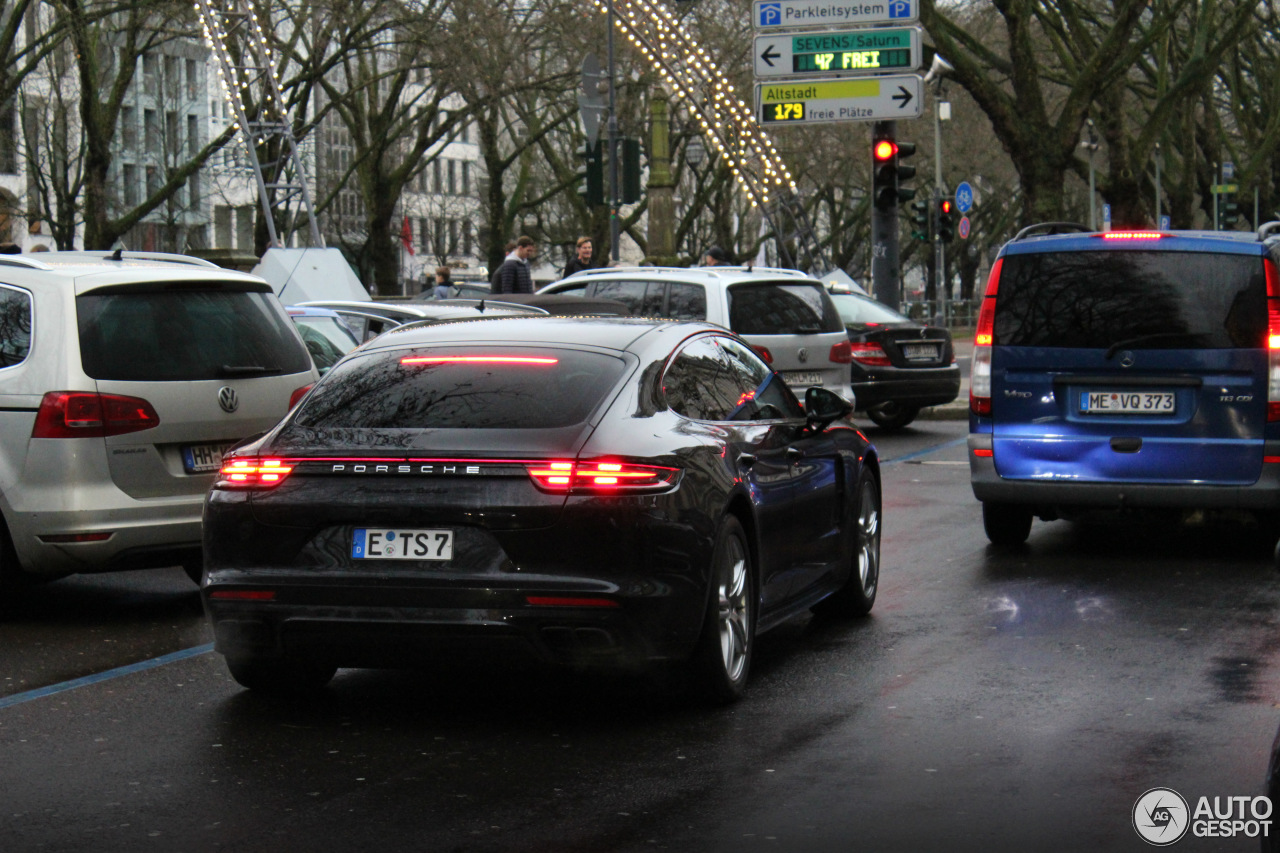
pixel 993 701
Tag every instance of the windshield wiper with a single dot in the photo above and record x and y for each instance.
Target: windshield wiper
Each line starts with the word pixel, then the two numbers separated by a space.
pixel 246 370
pixel 1130 342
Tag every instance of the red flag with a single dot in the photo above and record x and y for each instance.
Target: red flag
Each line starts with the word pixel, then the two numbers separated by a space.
pixel 406 235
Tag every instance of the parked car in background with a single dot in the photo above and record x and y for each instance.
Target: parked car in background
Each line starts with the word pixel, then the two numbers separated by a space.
pixel 370 319
pixel 1120 370
pixel 585 491
pixel 899 366
pixel 125 377
pixel 325 334
pixel 787 316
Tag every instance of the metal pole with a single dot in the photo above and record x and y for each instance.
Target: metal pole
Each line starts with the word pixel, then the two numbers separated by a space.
pixel 614 199
pixel 1217 173
pixel 1158 159
pixel 939 248
pixel 1093 190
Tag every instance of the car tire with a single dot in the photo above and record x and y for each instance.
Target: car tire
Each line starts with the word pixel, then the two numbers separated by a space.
pixel 12 578
pixel 722 659
pixel 281 678
pixel 891 415
pixel 1006 524
pixel 858 595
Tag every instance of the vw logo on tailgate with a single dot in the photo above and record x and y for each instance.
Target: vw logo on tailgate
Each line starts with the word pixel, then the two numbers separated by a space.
pixel 802 354
pixel 227 399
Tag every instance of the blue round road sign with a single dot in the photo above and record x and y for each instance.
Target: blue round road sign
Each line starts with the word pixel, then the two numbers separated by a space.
pixel 964 198
pixel 963 228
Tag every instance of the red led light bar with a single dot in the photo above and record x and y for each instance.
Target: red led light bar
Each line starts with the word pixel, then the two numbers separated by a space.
pixel 478 359
pixel 567 601
pixel 1132 235
pixel 243 594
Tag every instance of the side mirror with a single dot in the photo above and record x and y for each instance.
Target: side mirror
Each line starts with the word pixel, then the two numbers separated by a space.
pixel 821 407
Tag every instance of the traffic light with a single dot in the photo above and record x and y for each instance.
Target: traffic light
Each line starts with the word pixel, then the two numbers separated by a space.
pixel 630 162
pixel 946 224
pixel 1228 212
pixel 920 219
pixel 905 173
pixel 884 172
pixel 591 174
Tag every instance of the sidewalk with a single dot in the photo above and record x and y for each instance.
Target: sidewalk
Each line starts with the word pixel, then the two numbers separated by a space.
pixel 957 409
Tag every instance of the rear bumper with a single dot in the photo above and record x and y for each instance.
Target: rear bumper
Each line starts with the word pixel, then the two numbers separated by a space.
pixel 147 533
pixel 1264 494
pixel 916 387
pixel 377 622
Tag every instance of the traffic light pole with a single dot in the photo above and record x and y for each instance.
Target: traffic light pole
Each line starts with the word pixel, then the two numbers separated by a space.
pixel 614 201
pixel 939 250
pixel 886 278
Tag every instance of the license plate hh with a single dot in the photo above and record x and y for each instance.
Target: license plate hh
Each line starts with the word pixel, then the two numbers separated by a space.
pixel 1127 402
pixel 386 544
pixel 200 458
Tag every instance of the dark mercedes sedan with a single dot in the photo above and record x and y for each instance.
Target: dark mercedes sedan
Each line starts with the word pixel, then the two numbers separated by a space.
pixel 608 491
pixel 899 366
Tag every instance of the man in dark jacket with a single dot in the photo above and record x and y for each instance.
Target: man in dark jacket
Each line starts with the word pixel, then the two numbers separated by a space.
pixel 514 276
pixel 581 259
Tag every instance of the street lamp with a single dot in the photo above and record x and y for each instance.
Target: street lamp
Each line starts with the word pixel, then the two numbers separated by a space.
pixel 695 152
pixel 1091 145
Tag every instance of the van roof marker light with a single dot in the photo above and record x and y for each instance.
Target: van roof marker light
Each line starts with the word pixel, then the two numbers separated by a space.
pixel 1132 235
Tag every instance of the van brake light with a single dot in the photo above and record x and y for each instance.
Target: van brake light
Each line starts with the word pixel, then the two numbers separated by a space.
pixel 87 414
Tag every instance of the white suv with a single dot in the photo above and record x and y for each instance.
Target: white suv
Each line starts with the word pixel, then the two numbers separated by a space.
pixel 786 315
pixel 123 378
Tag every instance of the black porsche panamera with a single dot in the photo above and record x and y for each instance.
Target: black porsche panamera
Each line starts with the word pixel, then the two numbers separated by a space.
pixel 608 491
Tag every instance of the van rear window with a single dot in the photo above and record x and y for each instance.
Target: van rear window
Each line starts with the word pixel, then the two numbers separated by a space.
pixel 183 333
pixel 782 308
pixel 1149 300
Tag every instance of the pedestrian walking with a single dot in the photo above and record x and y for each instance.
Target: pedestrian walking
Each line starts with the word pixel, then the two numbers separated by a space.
pixel 443 281
pixel 581 259
pixel 515 275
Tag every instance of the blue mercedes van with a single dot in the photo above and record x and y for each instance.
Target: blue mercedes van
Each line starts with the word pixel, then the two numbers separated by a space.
pixel 1126 370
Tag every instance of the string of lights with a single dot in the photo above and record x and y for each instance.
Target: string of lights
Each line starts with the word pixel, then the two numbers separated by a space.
pixel 234 24
pixel 691 74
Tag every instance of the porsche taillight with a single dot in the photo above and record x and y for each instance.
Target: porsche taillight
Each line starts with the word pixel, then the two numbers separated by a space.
pixel 251 472
pixel 604 477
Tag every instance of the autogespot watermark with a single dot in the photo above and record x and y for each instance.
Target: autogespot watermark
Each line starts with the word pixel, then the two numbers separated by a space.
pixel 1162 816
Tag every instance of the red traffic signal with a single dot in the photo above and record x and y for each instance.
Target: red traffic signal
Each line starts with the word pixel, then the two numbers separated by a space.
pixel 884 149
pixel 945 205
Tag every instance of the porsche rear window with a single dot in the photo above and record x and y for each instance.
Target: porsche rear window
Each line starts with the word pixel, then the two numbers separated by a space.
pixel 462 388
pixel 1152 300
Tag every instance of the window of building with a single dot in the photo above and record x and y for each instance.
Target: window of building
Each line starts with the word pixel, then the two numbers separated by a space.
pixel 129 128
pixel 129 182
pixel 453 177
pixel 193 79
pixel 193 136
pixel 8 139
pixel 151 132
pixel 437 172
pixel 466 178
pixel 149 73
